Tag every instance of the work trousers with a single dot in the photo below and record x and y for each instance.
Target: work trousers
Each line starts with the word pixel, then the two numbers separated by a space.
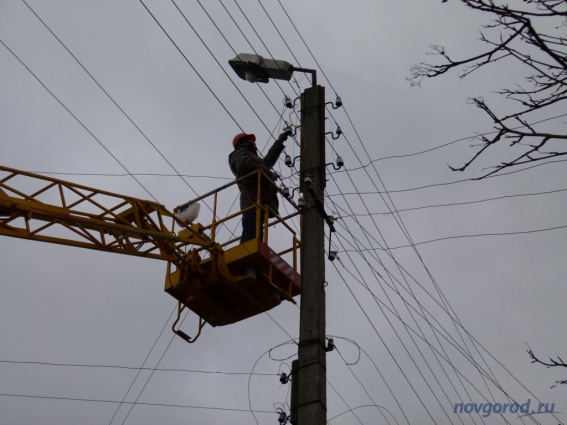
pixel 249 225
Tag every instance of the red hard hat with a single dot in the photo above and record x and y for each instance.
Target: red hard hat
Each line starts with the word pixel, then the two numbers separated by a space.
pixel 240 136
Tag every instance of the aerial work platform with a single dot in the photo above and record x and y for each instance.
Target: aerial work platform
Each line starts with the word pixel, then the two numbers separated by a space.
pixel 241 282
pixel 226 283
pixel 208 270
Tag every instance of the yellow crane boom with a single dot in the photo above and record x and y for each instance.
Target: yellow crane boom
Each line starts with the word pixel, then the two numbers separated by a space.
pixel 45 209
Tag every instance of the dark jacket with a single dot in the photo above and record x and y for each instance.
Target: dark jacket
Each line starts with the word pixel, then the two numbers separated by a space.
pixel 243 161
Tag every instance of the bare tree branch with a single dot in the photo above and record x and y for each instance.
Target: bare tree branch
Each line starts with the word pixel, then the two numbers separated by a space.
pixel 552 363
pixel 425 70
pixel 513 36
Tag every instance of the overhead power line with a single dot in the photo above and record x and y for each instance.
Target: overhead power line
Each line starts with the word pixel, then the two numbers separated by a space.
pixel 191 65
pixel 90 400
pixel 453 142
pixel 79 121
pixel 217 61
pixel 103 366
pixel 417 368
pixel 441 184
pixel 111 98
pixel 521 232
pixel 456 204
pixel 468 356
pixel 128 175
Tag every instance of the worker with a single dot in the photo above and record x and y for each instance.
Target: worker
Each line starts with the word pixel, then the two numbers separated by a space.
pixel 244 160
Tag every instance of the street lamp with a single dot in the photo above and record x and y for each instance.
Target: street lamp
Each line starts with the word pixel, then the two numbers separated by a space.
pixel 257 69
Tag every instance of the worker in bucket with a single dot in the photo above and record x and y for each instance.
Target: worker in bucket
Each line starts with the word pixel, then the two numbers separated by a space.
pixel 243 160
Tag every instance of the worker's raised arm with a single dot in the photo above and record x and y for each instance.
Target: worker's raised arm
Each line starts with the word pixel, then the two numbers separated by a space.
pixel 275 150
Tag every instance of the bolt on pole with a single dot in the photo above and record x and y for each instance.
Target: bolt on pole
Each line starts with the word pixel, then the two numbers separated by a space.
pixel 312 370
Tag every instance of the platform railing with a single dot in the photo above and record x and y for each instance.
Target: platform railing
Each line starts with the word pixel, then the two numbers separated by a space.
pixel 221 220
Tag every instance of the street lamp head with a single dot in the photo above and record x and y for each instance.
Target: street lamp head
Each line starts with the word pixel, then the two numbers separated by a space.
pixel 256 69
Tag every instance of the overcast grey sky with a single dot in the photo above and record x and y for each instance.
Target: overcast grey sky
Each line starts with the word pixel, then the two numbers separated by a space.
pixel 71 307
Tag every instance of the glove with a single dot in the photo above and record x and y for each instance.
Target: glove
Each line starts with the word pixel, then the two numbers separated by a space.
pixel 288 131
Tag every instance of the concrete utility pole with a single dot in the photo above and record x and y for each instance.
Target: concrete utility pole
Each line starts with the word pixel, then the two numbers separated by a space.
pixel 312 394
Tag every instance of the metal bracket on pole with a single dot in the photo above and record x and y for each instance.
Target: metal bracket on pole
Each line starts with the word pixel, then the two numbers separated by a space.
pixel 308 71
